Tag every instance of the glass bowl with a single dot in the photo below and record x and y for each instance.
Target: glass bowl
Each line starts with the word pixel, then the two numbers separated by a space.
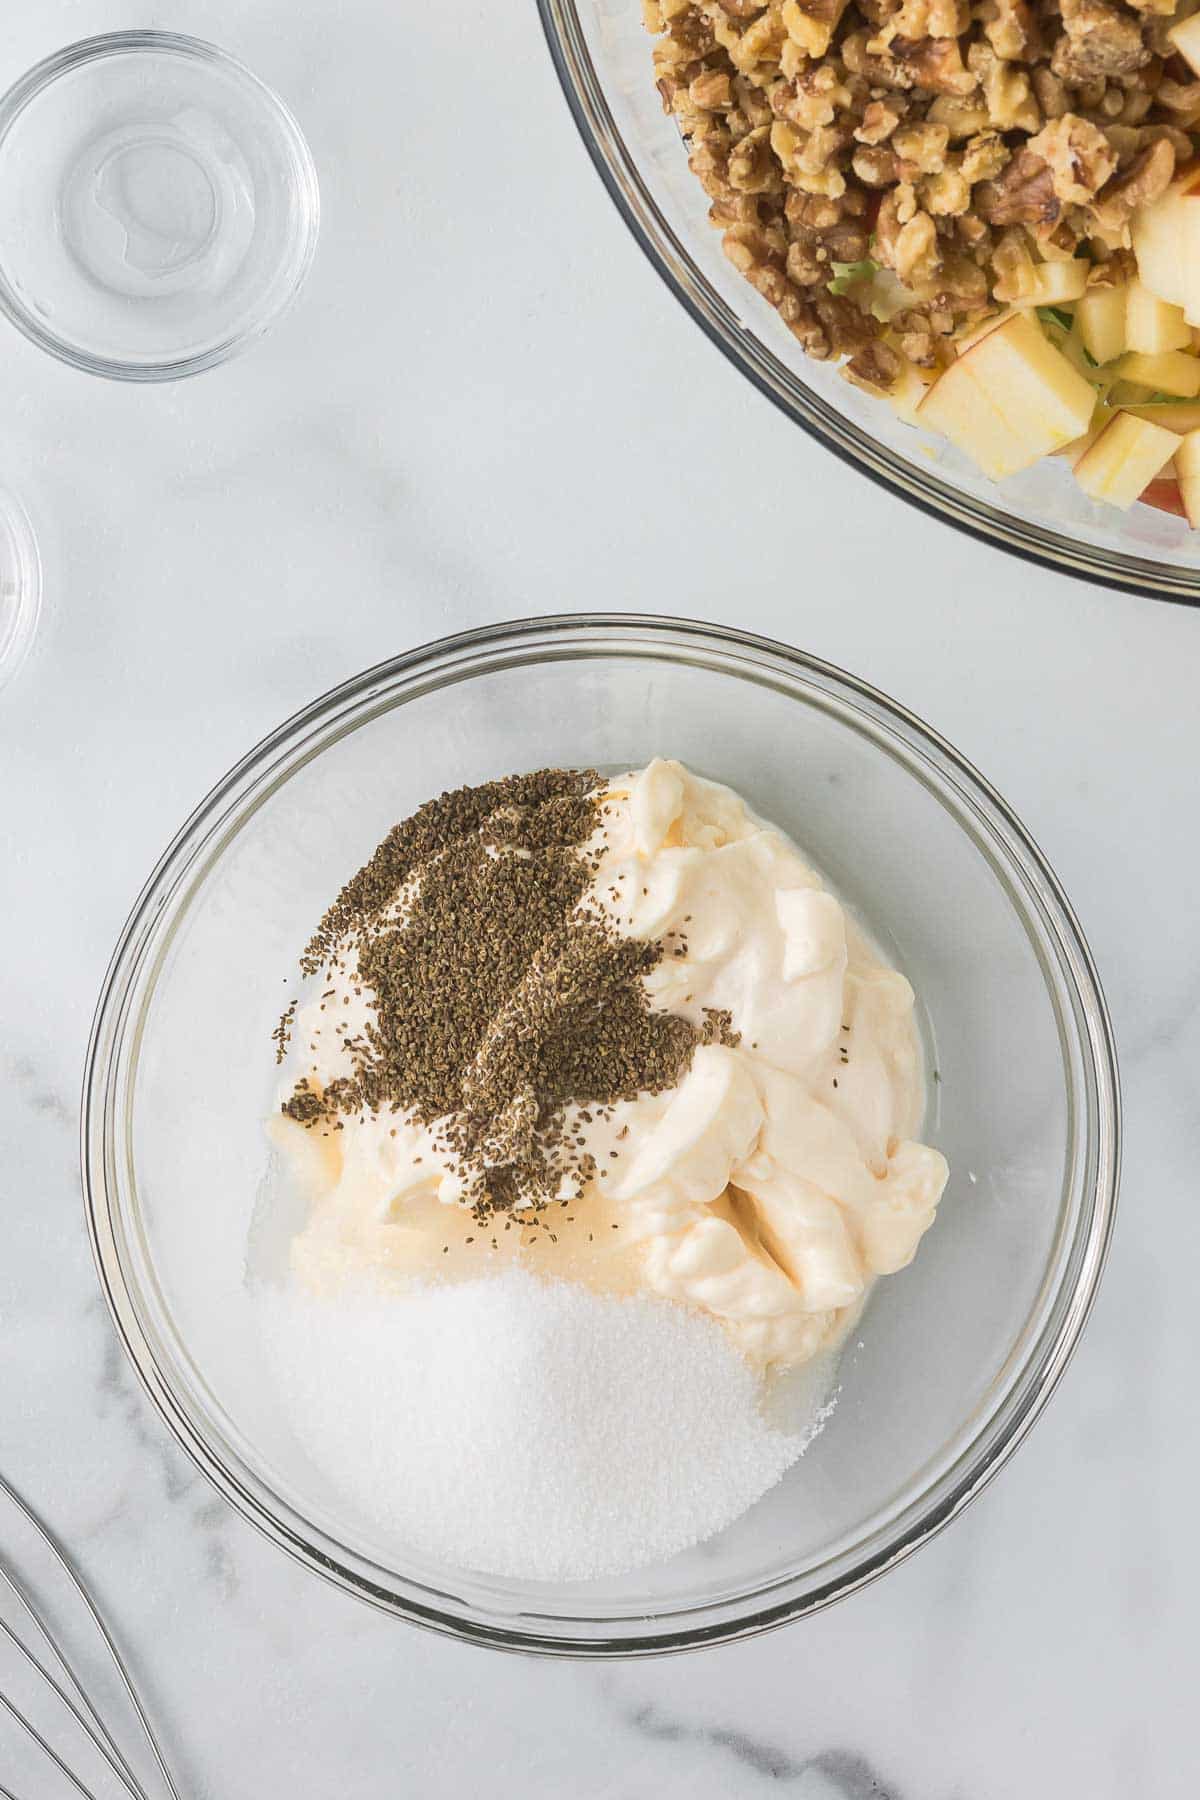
pixel 602 54
pixel 159 206
pixel 20 585
pixel 954 1358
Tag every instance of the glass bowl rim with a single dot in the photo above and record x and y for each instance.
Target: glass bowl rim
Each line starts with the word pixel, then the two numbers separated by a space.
pixel 306 197
pixel 27 607
pixel 448 661
pixel 752 356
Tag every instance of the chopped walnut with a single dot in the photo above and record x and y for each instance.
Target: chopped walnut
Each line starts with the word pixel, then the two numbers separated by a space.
pixel 984 157
pixel 712 91
pixel 876 367
pixel 946 194
pixel 1007 91
pixel 1078 154
pixel 880 118
pixel 962 118
pixel 806 265
pixel 881 71
pixel 936 65
pixel 812 99
pixel 920 149
pixel 752 168
pixel 1145 179
pixel 1115 271
pixel 907 245
pixel 1099 39
pixel 917 339
pixel 812 23
pixel 1178 97
pixel 1023 195
pixel 1052 95
pixel 927 19
pixel 875 165
pixel 1012 29
pixel 962 287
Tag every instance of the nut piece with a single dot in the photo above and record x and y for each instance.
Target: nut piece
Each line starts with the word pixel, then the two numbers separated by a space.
pixel 1099 40
pixel 1146 178
pixel 1023 195
pixel 812 23
pixel 1012 30
pixel 1079 157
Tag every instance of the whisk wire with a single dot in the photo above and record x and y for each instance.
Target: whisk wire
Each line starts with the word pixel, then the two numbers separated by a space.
pixel 120 1766
pixel 107 1749
pixel 47 1636
pixel 32 1731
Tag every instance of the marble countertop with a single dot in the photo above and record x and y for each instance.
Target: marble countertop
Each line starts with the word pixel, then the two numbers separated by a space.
pixel 487 405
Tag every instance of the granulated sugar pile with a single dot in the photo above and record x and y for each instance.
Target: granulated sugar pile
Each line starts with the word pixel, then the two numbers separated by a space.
pixel 526 1429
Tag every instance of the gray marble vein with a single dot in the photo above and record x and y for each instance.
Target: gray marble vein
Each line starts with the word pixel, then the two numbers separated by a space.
pixel 840 1774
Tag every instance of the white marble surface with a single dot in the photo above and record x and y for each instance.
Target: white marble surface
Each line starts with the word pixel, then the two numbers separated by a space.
pixel 486 405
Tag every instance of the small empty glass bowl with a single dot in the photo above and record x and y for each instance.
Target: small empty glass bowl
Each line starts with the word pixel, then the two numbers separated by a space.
pixel 20 585
pixel 602 53
pixel 953 1358
pixel 159 207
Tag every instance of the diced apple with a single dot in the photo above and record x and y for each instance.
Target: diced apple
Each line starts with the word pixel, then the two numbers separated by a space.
pixel 1127 455
pixel 1163 495
pixel 973 333
pixel 1158 234
pixel 1100 321
pixel 1056 283
pixel 909 391
pixel 1009 399
pixel 1166 242
pixel 1074 450
pixel 1185 37
pixel 1151 325
pixel 1187 470
pixel 1177 416
pixel 1172 372
pixel 1125 395
pixel 1072 348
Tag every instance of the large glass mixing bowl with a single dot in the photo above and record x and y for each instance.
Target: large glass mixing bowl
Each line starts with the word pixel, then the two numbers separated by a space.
pixel 602 53
pixel 954 1357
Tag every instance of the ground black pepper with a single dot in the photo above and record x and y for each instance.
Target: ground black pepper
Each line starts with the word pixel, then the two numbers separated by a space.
pixel 500 1000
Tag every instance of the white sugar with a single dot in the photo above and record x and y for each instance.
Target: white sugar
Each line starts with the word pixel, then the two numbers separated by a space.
pixel 525 1429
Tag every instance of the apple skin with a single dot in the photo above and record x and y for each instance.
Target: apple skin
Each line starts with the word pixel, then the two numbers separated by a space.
pixel 1163 494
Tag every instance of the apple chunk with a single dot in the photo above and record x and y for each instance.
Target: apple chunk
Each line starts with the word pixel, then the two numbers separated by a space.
pixel 1175 415
pixel 1164 496
pixel 1100 320
pixel 909 391
pixel 1172 372
pixel 1010 399
pixel 1166 242
pixel 1056 283
pixel 1158 236
pixel 1151 324
pixel 1185 38
pixel 1187 468
pixel 1126 456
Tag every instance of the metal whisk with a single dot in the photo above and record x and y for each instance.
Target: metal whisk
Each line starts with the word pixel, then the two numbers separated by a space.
pixel 66 1687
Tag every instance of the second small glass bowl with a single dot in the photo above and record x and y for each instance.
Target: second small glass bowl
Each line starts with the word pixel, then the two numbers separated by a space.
pixel 159 206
